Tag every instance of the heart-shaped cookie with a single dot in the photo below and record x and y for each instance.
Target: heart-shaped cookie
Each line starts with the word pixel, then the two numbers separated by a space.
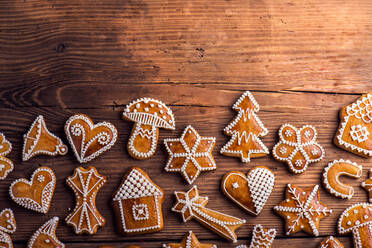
pixel 249 192
pixel 37 193
pixel 7 221
pixel 5 145
pixel 89 140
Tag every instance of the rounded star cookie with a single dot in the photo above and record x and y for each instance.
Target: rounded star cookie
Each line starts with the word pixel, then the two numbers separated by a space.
pixel 148 116
pixel 45 236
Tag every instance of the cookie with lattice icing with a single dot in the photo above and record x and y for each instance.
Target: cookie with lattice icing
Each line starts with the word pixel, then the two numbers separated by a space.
pixel 45 236
pixel 37 193
pixel 354 133
pixel 250 191
pixel 6 165
pixel 189 241
pixel 190 154
pixel 148 116
pixel 89 140
pixel 339 168
pixel 137 204
pixel 330 242
pixel 298 147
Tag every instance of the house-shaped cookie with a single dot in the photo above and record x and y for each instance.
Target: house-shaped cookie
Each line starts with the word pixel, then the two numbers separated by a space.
pixel 137 204
pixel 354 133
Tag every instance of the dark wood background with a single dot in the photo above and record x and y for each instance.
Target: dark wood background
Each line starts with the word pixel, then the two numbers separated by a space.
pixel 303 60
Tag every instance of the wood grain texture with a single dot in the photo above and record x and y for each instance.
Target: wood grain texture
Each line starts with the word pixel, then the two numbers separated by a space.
pixel 303 60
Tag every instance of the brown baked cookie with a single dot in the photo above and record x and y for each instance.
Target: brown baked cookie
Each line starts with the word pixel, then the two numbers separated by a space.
pixel 38 140
pixel 330 242
pixel 302 210
pixel 89 140
pixel 137 204
pixel 250 191
pixel 357 219
pixel 45 236
pixel 7 226
pixel 37 193
pixel 298 147
pixel 245 131
pixel 85 217
pixel 6 165
pixel 261 237
pixel 190 154
pixel 354 133
pixel 367 185
pixel 148 116
pixel 189 241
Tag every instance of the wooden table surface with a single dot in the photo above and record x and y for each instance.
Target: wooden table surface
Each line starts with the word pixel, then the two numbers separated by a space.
pixel 302 60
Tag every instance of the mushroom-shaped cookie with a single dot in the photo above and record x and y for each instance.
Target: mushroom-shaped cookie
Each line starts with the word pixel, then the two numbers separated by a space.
pixel 149 115
pixel 358 220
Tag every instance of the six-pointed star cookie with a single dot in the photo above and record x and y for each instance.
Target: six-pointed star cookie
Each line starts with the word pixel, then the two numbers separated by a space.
pixel 190 154
pixel 189 241
pixel 302 210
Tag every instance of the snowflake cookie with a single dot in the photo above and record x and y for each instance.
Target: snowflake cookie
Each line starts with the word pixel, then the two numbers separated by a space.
pixel 137 204
pixel 192 206
pixel 302 210
pixel 245 131
pixel 38 140
pixel 6 165
pixel 249 192
pixel 339 168
pixel 45 236
pixel 330 242
pixel 148 116
pixel 7 226
pixel 89 140
pixel 189 241
pixel 354 132
pixel 357 219
pixel 37 193
pixel 190 154
pixel 85 217
pixel 298 147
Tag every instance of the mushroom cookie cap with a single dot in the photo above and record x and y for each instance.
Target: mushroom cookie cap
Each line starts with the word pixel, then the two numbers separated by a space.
pixel 150 112
pixel 354 217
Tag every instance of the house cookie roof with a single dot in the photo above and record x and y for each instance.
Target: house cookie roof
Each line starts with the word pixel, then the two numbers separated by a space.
pixel 136 185
pixel 362 108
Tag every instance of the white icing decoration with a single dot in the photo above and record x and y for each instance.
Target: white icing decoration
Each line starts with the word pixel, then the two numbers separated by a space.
pixel 235 185
pixel 140 212
pixel 10 227
pixel 262 239
pixel 48 229
pixel 359 133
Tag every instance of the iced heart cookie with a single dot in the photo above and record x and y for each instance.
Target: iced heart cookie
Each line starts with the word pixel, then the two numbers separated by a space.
pixel 38 140
pixel 298 147
pixel 37 193
pixel 6 165
pixel 85 217
pixel 245 131
pixel 330 242
pixel 192 206
pixel 190 154
pixel 189 241
pixel 137 204
pixel 355 128
pixel 89 140
pixel 249 192
pixel 336 169
pixel 302 210
pixel 148 116
pixel 7 226
pixel 45 236
pixel 357 219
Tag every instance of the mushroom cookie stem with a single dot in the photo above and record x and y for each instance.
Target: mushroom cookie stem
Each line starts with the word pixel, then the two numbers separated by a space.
pixel 143 140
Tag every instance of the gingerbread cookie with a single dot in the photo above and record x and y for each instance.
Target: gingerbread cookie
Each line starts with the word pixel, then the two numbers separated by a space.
pixel 190 154
pixel 330 242
pixel 302 210
pixel 37 193
pixel 45 236
pixel 262 237
pixel 249 192
pixel 85 217
pixel 7 226
pixel 191 205
pixel 6 165
pixel 355 129
pixel 148 116
pixel 336 169
pixel 298 147
pixel 89 140
pixel 137 204
pixel 245 131
pixel 39 140
pixel 357 219
pixel 189 241
pixel 367 185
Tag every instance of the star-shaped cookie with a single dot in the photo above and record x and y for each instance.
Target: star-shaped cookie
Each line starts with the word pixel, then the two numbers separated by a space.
pixel 302 210
pixel 190 154
pixel 189 241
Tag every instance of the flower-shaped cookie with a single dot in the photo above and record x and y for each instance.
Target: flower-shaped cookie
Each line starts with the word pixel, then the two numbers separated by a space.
pixel 298 147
